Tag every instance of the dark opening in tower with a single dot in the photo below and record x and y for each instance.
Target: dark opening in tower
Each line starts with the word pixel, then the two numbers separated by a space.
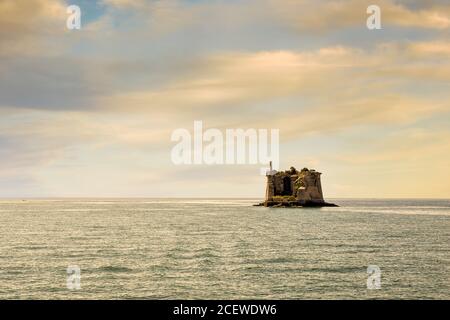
pixel 287 189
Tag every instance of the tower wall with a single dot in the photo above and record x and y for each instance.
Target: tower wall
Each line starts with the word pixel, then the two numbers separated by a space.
pixel 270 190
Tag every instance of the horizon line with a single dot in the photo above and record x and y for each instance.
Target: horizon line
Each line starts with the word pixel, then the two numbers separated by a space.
pixel 210 198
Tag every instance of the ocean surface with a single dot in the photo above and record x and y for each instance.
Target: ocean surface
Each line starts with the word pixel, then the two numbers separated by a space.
pixel 223 249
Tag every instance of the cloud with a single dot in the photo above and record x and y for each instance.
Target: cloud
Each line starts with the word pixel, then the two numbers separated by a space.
pixel 328 16
pixel 409 162
pixel 51 83
pixel 35 69
pixel 405 146
pixel 303 15
pixel 125 3
pixel 332 87
pixel 154 18
pixel 24 24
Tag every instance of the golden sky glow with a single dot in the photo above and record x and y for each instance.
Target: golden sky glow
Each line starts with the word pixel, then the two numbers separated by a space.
pixel 90 112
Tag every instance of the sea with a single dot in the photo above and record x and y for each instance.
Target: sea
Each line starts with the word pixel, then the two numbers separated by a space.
pixel 223 249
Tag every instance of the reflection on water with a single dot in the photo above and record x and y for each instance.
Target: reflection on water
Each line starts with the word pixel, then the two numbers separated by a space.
pixel 223 249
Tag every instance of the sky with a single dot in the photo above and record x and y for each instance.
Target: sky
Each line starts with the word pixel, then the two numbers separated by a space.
pixel 90 112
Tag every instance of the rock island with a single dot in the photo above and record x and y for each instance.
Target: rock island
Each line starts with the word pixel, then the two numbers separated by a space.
pixel 293 188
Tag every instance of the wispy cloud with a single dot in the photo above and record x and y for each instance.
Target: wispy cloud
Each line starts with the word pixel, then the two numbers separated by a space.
pixel 321 16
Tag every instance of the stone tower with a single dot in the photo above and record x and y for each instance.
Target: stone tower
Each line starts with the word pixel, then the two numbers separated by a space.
pixel 294 188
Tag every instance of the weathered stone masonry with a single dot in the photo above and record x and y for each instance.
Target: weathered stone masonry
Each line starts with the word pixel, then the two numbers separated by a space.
pixel 294 188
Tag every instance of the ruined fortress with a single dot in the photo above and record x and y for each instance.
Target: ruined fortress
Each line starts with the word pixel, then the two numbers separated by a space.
pixel 293 188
